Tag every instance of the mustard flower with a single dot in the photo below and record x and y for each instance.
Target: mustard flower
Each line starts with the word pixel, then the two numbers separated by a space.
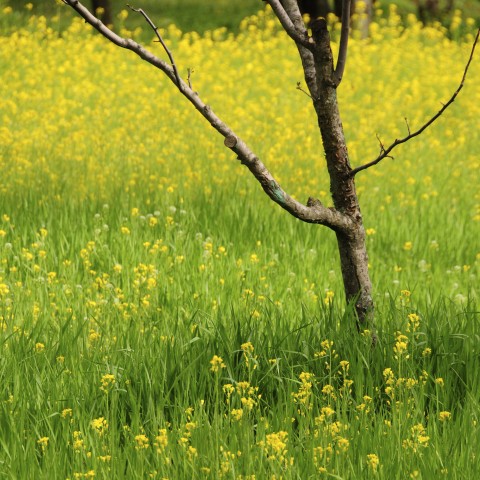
pixel 444 416
pixel 237 414
pixel 43 443
pixel 141 442
pixel 373 461
pixel 161 440
pixel 216 364
pixel 100 425
pixel 107 382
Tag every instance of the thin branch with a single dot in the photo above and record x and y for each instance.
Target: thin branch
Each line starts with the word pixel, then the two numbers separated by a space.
pixel 342 52
pixel 189 76
pixel 408 126
pixel 382 146
pixel 160 39
pixel 314 212
pixel 299 37
pixel 299 87
pixel 386 151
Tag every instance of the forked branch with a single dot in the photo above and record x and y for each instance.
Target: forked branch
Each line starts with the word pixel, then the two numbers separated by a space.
pixel 385 152
pixel 342 51
pixel 160 39
pixel 313 212
pixel 299 37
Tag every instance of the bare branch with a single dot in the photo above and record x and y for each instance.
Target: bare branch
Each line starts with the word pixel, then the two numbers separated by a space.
pixel 190 71
pixel 297 35
pixel 312 213
pixel 342 52
pixel 306 54
pixel 160 39
pixel 386 151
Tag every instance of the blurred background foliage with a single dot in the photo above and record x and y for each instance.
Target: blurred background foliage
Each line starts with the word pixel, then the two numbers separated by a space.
pixel 202 15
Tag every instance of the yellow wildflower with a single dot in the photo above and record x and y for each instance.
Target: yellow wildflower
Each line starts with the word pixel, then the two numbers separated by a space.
pixel 216 364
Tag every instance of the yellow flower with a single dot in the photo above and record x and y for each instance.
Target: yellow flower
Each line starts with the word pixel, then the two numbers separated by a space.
pixel 275 445
pixel 43 443
pixel 237 414
pixel 141 442
pixel 439 381
pixel 413 322
pixel 66 412
pixel 39 347
pixel 345 365
pixel 216 364
pixel 343 444
pixel 161 440
pixel 192 452
pixel 107 382
pixel 328 300
pixel 373 461
pixel 123 15
pixel 247 348
pixel 444 416
pixel 100 425
pixel 78 443
pixel 407 246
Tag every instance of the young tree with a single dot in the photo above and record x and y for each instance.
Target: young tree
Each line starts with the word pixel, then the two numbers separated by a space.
pixel 322 78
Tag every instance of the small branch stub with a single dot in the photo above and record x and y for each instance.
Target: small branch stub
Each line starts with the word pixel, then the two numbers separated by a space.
pixel 230 141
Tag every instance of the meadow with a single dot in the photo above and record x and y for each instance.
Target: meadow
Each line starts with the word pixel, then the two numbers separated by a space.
pixel 161 318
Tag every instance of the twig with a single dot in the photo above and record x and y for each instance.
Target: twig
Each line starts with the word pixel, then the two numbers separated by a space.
pixel 342 52
pixel 397 142
pixel 160 39
pixel 299 87
pixel 382 147
pixel 408 126
pixel 189 76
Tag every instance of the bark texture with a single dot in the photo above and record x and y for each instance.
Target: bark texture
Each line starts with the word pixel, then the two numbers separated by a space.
pixel 351 243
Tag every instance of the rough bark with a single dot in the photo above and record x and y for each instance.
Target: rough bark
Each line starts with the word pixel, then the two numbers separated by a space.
pixel 351 243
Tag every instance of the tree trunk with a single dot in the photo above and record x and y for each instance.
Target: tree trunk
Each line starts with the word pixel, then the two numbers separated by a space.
pixel 106 17
pixel 351 243
pixel 314 8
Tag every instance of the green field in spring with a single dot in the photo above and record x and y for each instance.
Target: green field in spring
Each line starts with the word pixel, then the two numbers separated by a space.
pixel 161 318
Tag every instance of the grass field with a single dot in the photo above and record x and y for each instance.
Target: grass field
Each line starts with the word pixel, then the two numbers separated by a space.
pixel 161 318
